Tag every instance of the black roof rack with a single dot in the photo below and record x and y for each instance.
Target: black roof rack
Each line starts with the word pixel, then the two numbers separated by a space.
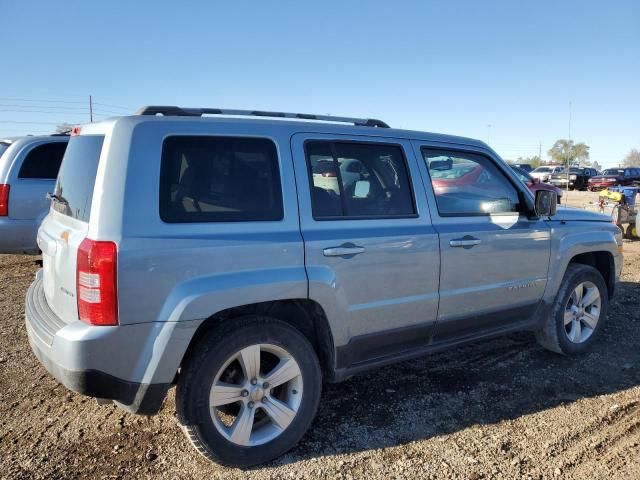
pixel 198 112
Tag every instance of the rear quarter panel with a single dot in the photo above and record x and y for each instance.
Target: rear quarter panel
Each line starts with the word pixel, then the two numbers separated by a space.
pixel 171 272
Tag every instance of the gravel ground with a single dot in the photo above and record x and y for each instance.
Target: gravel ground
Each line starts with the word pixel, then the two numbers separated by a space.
pixel 499 409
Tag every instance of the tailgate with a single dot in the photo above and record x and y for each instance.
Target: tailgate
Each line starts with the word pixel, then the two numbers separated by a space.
pixel 67 224
pixel 59 238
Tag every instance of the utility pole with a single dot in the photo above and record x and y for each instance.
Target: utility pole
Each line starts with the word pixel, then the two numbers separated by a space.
pixel 569 120
pixel 569 153
pixel 90 109
pixel 540 151
pixel 489 133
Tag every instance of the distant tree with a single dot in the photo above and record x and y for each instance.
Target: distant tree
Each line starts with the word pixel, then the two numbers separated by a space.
pixel 632 159
pixel 568 153
pixel 597 166
pixel 64 128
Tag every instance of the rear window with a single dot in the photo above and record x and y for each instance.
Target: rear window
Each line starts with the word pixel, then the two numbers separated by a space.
pixel 74 188
pixel 43 161
pixel 219 179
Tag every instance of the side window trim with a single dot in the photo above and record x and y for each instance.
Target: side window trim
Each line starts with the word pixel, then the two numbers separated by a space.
pixel 420 145
pixel 332 143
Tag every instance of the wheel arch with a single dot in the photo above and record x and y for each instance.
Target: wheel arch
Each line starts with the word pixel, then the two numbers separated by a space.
pixel 602 261
pixel 305 315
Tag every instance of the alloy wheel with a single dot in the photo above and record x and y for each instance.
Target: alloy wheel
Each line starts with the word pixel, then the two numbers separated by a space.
pixel 582 312
pixel 256 394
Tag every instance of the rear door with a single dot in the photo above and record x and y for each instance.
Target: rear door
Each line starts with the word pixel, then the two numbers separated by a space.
pixel 494 260
pixel 371 253
pixel 34 173
pixel 67 224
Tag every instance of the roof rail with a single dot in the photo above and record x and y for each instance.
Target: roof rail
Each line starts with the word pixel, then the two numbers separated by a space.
pixel 198 112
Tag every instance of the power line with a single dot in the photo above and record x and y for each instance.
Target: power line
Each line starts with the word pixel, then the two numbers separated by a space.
pixel 19 122
pixel 59 107
pixel 52 112
pixel 110 111
pixel 72 102
pixel 113 106
pixel 41 100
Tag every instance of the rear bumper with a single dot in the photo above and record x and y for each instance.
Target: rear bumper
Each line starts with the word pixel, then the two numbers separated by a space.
pixel 101 362
pixel 18 236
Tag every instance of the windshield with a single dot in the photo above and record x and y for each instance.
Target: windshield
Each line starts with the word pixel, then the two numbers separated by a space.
pixel 74 188
pixel 613 171
pixel 576 170
pixel 544 169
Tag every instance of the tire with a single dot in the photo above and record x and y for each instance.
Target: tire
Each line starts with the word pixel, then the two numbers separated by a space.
pixel 632 232
pixel 211 355
pixel 554 335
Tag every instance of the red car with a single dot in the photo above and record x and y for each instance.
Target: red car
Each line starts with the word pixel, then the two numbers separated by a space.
pixel 534 184
pixel 613 177
pixel 468 176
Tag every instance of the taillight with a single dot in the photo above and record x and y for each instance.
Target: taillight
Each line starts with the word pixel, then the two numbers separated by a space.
pixel 96 282
pixel 4 200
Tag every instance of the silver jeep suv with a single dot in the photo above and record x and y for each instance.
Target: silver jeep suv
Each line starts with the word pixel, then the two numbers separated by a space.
pixel 28 169
pixel 246 259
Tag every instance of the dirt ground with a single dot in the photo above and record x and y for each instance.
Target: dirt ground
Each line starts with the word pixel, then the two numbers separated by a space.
pixel 500 409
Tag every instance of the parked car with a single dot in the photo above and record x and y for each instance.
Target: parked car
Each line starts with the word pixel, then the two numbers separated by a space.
pixel 615 177
pixel 28 169
pixel 534 184
pixel 201 252
pixel 544 173
pixel 523 166
pixel 577 177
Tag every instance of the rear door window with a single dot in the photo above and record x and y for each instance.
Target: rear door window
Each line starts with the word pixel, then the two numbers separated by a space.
pixel 358 180
pixel 43 161
pixel 219 179
pixel 74 188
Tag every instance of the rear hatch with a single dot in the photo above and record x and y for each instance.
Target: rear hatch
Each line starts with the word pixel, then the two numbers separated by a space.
pixel 67 224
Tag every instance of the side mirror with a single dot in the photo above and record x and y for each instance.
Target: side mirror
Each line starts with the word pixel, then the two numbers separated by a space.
pixel 546 203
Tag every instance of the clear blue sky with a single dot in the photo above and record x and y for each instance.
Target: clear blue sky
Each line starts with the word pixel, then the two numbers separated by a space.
pixel 452 67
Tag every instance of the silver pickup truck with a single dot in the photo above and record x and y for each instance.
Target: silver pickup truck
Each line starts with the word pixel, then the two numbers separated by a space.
pixel 246 259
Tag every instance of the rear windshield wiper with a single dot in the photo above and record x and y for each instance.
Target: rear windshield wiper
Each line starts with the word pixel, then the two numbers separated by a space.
pixel 57 198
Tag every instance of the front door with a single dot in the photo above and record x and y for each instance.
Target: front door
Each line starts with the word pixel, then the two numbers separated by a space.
pixel 494 260
pixel 371 252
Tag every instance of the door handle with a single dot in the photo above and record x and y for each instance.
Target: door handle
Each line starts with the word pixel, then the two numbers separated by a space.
pixel 465 242
pixel 344 250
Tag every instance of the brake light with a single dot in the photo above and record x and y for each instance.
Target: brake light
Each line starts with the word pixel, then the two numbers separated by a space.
pixel 4 200
pixel 96 286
